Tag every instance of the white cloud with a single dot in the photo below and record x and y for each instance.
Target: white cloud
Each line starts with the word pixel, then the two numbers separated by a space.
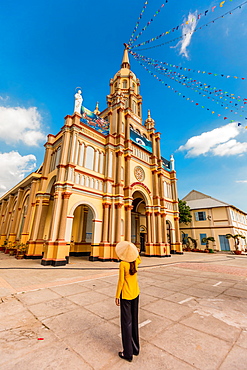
pixel 218 142
pixel 21 125
pixel 13 168
pixel 187 32
pixel 241 181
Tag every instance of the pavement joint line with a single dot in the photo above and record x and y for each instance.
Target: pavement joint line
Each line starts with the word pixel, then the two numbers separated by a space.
pixel 186 300
pixel 64 283
pixel 144 323
pixel 220 282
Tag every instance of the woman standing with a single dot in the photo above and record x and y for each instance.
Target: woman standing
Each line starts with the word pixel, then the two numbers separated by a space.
pixel 127 297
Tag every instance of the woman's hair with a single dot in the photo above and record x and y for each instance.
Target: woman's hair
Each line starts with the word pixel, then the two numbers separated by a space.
pixel 133 269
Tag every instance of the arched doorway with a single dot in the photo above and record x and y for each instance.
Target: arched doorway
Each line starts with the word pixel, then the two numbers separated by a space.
pixel 82 231
pixel 169 233
pixel 138 221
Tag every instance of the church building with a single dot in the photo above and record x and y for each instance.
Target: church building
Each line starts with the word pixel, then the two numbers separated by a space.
pixel 103 180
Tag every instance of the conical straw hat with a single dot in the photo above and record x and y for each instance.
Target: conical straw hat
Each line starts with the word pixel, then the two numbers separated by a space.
pixel 126 251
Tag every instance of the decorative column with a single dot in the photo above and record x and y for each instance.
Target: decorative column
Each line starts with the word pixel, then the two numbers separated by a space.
pixel 56 253
pixel 106 208
pixel 2 214
pixel 128 222
pixel 39 242
pixel 7 216
pixel 27 227
pixel 118 222
pixel 137 223
pixel 14 225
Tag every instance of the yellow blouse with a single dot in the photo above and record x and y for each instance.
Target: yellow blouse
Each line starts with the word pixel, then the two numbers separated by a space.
pixel 127 284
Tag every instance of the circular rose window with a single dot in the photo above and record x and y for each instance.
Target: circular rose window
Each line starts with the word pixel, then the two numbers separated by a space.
pixel 139 173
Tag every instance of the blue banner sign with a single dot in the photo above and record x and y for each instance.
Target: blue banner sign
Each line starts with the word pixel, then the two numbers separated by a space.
pixel 166 164
pixel 141 141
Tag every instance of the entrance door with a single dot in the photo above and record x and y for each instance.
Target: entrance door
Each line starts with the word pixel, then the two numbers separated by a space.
pixel 142 241
pixel 224 243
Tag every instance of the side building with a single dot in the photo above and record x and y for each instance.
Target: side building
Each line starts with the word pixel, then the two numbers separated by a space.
pixel 211 217
pixel 103 180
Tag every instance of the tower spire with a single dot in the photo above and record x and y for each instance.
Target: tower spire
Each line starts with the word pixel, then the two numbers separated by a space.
pixel 125 61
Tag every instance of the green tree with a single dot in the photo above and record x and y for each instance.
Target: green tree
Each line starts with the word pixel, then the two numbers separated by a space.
pixel 185 216
pixel 236 239
pixel 207 240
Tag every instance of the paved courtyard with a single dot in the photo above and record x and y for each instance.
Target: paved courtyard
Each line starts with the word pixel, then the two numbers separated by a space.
pixel 193 314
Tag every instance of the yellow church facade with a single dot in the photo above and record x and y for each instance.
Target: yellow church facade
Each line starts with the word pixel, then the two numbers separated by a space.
pixel 103 180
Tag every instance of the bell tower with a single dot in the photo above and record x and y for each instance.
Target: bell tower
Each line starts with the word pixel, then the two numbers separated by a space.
pixel 124 91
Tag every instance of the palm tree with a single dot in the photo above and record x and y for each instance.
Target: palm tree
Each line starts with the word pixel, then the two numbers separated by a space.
pixel 207 240
pixel 193 241
pixel 236 239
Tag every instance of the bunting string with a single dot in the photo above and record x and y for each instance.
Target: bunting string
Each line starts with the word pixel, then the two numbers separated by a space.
pixel 183 96
pixel 138 22
pixel 148 24
pixel 180 37
pixel 154 61
pixel 203 87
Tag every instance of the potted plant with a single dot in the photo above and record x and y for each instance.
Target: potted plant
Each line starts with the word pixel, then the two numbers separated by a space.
pixel 21 250
pixel 236 241
pixel 12 250
pixel 207 240
pixel 8 246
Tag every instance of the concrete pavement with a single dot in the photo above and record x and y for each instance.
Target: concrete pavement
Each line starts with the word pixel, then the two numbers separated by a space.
pixel 193 314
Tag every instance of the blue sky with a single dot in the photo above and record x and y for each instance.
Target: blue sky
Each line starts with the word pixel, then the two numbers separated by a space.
pixel 49 48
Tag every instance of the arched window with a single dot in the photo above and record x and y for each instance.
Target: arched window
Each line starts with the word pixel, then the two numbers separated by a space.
pixel 115 85
pixel 110 164
pixel 134 106
pixel 89 158
pixel 101 165
pixel 81 155
pixel 138 131
pixel 124 84
pixel 96 168
pixel 133 85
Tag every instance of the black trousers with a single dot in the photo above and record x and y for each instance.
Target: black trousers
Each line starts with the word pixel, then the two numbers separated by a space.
pixel 129 326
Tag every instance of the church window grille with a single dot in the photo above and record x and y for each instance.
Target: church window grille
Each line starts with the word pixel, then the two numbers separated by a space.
pixel 81 156
pixel 96 164
pixel 76 151
pixel 124 84
pixel 58 156
pixel 122 127
pixel 101 162
pixel 122 173
pixel 110 163
pixel 89 157
pixel 134 106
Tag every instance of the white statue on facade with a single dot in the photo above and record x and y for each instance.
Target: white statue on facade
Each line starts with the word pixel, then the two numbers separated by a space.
pixel 78 102
pixel 172 162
